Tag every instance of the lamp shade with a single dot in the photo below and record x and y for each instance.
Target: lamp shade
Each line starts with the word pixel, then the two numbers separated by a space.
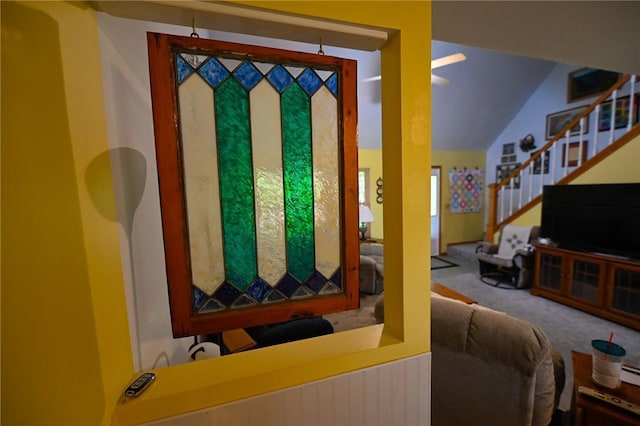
pixel 365 214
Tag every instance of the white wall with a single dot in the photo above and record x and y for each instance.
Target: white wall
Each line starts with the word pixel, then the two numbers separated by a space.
pixel 132 150
pixel 395 393
pixel 549 98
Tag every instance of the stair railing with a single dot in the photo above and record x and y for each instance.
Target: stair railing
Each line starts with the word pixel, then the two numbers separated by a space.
pixel 506 197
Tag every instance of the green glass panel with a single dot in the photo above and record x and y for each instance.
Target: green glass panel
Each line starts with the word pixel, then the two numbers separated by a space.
pixel 236 183
pixel 298 184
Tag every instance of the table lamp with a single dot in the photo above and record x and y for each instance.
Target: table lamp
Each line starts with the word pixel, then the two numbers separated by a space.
pixel 365 217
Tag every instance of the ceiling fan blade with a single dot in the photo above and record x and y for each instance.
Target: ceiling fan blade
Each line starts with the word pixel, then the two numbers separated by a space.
pixel 440 81
pixel 447 60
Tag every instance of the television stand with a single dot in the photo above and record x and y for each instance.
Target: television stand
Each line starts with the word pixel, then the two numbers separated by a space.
pixel 613 256
pixel 600 284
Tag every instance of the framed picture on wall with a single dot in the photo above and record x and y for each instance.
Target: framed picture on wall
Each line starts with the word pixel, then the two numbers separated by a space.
pixel 622 113
pixel 509 148
pixel 587 82
pixel 508 158
pixel 571 154
pixel 539 164
pixel 559 120
pixel 503 170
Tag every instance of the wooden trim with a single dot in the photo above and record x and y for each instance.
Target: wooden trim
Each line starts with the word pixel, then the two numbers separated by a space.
pixel 560 134
pixel 493 225
pixel 599 157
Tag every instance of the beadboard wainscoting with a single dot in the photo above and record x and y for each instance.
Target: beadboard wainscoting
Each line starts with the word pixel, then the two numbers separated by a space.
pixel 395 393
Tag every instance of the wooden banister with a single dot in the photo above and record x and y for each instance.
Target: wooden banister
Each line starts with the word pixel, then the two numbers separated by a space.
pixel 494 188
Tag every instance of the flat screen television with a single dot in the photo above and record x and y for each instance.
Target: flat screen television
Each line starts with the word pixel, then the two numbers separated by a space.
pixel 602 219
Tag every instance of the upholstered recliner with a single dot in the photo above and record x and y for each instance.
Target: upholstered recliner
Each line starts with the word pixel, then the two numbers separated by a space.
pixel 489 368
pixel 510 262
pixel 371 268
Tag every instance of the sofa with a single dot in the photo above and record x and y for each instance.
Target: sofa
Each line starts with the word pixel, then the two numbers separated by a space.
pixel 489 368
pixel 371 268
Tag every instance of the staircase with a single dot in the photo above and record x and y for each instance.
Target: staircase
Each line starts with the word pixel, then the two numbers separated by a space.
pixel 570 153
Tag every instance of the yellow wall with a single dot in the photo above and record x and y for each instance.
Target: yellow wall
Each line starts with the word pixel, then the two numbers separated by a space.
pixel 462 227
pixel 372 160
pixel 65 349
pixel 65 344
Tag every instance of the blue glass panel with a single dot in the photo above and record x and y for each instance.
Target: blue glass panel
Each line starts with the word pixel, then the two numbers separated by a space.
pixel 288 285
pixel 183 69
pixel 213 72
pixel 248 75
pixel 316 281
pixel 227 294
pixel 259 289
pixel 332 84
pixel 279 78
pixel 337 278
pixel 198 297
pixel 309 81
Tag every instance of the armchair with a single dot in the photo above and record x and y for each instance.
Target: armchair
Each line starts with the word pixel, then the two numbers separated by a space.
pixel 371 268
pixel 508 264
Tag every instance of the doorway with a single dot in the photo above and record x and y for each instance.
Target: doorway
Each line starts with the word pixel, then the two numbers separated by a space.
pixel 435 210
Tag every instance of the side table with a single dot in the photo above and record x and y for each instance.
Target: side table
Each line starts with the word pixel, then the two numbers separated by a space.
pixel 589 411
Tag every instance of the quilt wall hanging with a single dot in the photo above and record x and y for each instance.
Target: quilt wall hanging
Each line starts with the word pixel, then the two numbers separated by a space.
pixel 465 189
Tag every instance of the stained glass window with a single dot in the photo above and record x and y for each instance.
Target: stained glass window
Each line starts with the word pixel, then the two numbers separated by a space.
pixel 257 164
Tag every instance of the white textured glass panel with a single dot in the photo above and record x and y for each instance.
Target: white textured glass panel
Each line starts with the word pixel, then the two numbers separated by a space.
pixel 294 71
pixel 266 141
pixel 324 75
pixel 229 63
pixel 201 184
pixel 324 118
pixel 263 67
pixel 194 60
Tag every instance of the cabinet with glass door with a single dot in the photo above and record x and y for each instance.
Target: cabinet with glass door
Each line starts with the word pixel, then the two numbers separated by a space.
pixel 601 285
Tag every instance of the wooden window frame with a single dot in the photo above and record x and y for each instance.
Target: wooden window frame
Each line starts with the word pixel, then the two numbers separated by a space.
pixel 172 195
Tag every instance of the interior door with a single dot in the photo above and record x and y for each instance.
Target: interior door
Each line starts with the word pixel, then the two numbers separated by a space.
pixel 435 210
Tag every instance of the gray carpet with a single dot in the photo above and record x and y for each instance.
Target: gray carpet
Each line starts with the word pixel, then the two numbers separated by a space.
pixel 568 328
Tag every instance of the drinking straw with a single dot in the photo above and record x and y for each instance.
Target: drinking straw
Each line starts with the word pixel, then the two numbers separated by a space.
pixel 609 345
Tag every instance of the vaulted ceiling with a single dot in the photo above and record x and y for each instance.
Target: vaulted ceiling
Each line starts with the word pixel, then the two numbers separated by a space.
pixel 485 93
pixel 526 40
